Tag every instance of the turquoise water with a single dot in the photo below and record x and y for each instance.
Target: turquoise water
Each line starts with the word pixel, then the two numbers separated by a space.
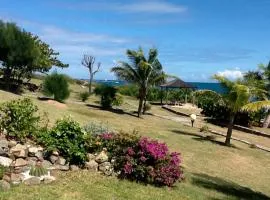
pixel 217 87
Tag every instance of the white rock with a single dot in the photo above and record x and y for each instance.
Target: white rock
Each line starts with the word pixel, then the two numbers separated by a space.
pixel 4 161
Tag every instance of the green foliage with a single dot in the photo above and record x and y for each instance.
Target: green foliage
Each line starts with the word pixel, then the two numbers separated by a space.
pixel 2 171
pixel 19 118
pixel 147 107
pixel 115 143
pixel 68 138
pixel 95 129
pixel 57 86
pixel 129 90
pixel 84 96
pixel 143 71
pixel 38 170
pixel 204 129
pixel 107 95
pixel 22 53
pixel 118 100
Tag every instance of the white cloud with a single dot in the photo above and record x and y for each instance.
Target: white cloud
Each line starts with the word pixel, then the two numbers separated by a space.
pixel 231 74
pixel 148 7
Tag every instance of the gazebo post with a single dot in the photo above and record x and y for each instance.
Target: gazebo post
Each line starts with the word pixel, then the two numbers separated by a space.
pixel 166 96
pixel 161 99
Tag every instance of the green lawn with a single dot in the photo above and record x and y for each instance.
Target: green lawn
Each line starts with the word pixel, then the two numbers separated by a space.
pixel 212 171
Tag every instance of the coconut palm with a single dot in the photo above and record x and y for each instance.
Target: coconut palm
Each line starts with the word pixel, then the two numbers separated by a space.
pixel 239 97
pixel 142 71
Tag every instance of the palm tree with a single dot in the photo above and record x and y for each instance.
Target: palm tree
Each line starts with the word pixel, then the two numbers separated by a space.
pixel 142 71
pixel 260 79
pixel 239 97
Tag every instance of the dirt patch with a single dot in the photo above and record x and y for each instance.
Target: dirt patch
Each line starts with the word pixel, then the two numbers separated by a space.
pixel 57 104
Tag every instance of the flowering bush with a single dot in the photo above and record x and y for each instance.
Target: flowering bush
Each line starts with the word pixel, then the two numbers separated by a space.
pixel 113 142
pixel 151 162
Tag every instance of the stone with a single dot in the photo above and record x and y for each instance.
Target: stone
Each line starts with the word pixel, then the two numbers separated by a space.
pixel 91 156
pixel 6 178
pixel 61 161
pixel 102 157
pixel 39 155
pixel 48 179
pixel 46 164
pixel 74 168
pixel 53 158
pixel 19 151
pixel 22 169
pixel 32 181
pixel 32 151
pixel 20 162
pixel 16 178
pixel 55 153
pixel 4 149
pixel 12 143
pixel 62 167
pixel 4 161
pixel 91 165
pixel 40 148
pixel 4 185
pixel 106 168
pixel 32 161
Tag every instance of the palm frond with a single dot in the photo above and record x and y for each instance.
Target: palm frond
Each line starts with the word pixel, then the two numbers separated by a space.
pixel 255 106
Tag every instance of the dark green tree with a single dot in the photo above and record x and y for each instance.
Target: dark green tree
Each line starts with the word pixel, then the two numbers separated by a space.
pixel 22 54
pixel 56 85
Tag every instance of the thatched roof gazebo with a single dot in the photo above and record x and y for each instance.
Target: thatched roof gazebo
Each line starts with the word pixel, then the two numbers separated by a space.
pixel 176 83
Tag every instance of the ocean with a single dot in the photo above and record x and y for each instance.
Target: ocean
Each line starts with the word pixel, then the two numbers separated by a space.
pixel 217 87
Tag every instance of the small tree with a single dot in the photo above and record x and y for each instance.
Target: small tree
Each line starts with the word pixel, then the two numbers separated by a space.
pixel 56 85
pixel 89 61
pixel 108 96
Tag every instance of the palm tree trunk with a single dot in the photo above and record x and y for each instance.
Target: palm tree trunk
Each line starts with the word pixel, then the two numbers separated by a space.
pixel 140 106
pixel 144 106
pixel 229 132
pixel 266 121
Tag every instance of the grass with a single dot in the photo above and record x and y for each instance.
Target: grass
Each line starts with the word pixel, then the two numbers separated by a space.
pixel 212 170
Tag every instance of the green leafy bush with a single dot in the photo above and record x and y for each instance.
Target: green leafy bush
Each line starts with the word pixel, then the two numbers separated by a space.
pixel 118 100
pixel 19 118
pixel 38 170
pixel 56 85
pixel 96 129
pixel 129 90
pixel 84 96
pixel 115 143
pixel 68 138
pixel 107 95
pixel 147 107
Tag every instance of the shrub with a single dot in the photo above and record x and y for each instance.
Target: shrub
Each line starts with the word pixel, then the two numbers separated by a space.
pixel 67 137
pixel 113 142
pixel 107 95
pixel 118 100
pixel 204 129
pixel 149 161
pixel 19 118
pixel 56 85
pixel 129 90
pixel 147 107
pixel 84 96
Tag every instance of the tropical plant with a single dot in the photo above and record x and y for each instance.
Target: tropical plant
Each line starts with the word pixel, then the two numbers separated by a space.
pixel 142 71
pixel 19 118
pixel 108 96
pixel 56 85
pixel 238 97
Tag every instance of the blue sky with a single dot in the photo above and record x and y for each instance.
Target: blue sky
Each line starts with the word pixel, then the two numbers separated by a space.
pixel 195 38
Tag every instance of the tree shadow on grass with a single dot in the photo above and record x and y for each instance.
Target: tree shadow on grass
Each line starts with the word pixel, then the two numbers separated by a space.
pixel 113 110
pixel 227 187
pixel 201 138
